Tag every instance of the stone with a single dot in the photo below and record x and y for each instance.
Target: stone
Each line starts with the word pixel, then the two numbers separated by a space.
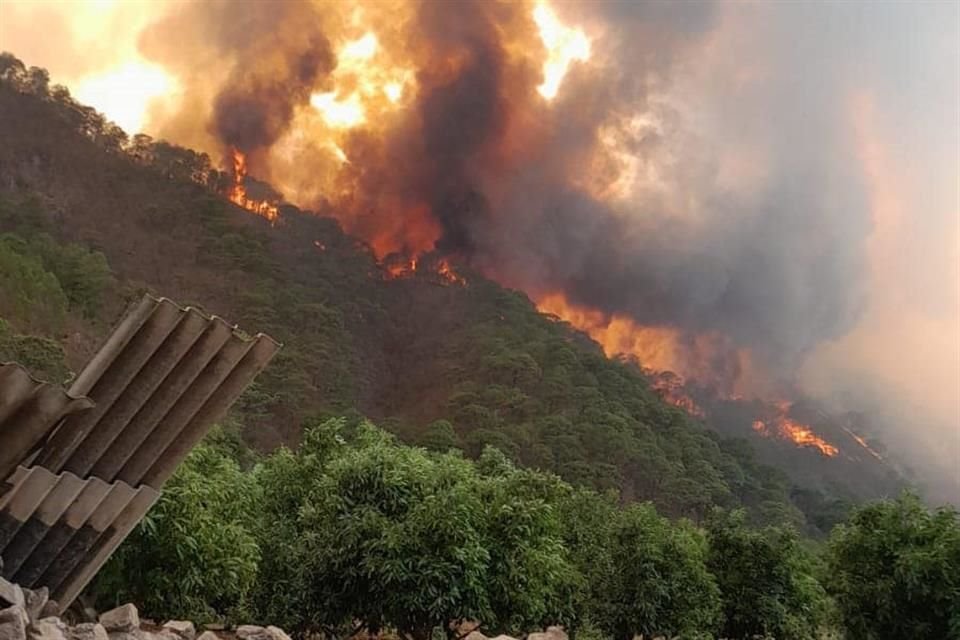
pixel 208 635
pixel 11 595
pixel 88 631
pixel 503 637
pixel 47 629
pixel 475 635
pixel 35 601
pixel 253 632
pixel 123 618
pixel 552 633
pixel 277 633
pixel 181 628
pixel 13 623
pixel 50 610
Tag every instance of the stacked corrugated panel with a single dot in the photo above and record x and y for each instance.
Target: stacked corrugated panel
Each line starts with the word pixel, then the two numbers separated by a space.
pixel 93 459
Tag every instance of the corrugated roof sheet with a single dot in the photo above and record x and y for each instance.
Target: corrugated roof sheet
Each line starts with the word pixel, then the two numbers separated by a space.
pixel 161 380
pixel 29 410
pixel 95 457
pixel 57 530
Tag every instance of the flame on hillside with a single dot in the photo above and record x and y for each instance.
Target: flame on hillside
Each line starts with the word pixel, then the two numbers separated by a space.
pixel 671 388
pixel 786 428
pixel 398 266
pixel 661 351
pixel 238 190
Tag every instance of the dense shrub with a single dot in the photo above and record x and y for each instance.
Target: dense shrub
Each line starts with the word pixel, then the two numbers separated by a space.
pixel 894 570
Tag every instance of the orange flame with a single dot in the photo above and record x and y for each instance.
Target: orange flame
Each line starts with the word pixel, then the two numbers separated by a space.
pixel 397 266
pixel 670 387
pixel 238 191
pixel 786 428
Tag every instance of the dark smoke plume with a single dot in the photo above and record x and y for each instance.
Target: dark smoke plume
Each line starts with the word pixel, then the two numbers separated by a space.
pixel 257 105
pixel 704 170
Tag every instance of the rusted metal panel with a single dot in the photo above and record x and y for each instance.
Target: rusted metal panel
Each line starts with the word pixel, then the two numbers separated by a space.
pixel 29 411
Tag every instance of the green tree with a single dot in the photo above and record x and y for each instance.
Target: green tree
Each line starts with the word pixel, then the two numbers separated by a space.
pixel 530 579
pixel 440 437
pixel 42 357
pixel 894 570
pixel 766 581
pixel 660 583
pixel 194 555
pixel 30 296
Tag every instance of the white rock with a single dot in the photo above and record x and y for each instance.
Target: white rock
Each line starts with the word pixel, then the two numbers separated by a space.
pixel 208 635
pixel 11 594
pixel 253 632
pixel 88 631
pixel 35 601
pixel 123 618
pixel 475 635
pixel 182 628
pixel 13 623
pixel 277 633
pixel 47 629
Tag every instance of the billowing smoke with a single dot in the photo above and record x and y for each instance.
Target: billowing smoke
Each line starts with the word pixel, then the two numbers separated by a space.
pixel 712 169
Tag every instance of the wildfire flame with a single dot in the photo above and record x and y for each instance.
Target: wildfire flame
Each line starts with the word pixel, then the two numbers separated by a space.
pixel 670 387
pixel 660 351
pixel 786 428
pixel 238 190
pixel 397 267
pixel 564 46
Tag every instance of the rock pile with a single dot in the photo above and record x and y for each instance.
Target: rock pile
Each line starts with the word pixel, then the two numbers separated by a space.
pixel 31 615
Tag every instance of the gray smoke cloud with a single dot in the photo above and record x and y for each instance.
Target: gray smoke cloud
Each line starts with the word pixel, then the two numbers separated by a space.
pixel 782 174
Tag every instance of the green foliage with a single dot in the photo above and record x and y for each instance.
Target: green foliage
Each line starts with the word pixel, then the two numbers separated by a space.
pixel 894 570
pixel 29 294
pixel 393 535
pixel 660 585
pixel 193 556
pixel 41 356
pixel 766 580
pixel 440 437
pixel 83 274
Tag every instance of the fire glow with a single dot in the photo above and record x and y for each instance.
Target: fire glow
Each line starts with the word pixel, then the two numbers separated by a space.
pixel 399 267
pixel 799 434
pixel 238 190
pixel 660 353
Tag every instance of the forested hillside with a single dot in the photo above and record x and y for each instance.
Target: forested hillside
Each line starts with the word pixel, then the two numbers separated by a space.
pixel 91 218
pixel 549 484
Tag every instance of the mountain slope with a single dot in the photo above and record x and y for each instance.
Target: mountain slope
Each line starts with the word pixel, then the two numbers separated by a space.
pixel 438 362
